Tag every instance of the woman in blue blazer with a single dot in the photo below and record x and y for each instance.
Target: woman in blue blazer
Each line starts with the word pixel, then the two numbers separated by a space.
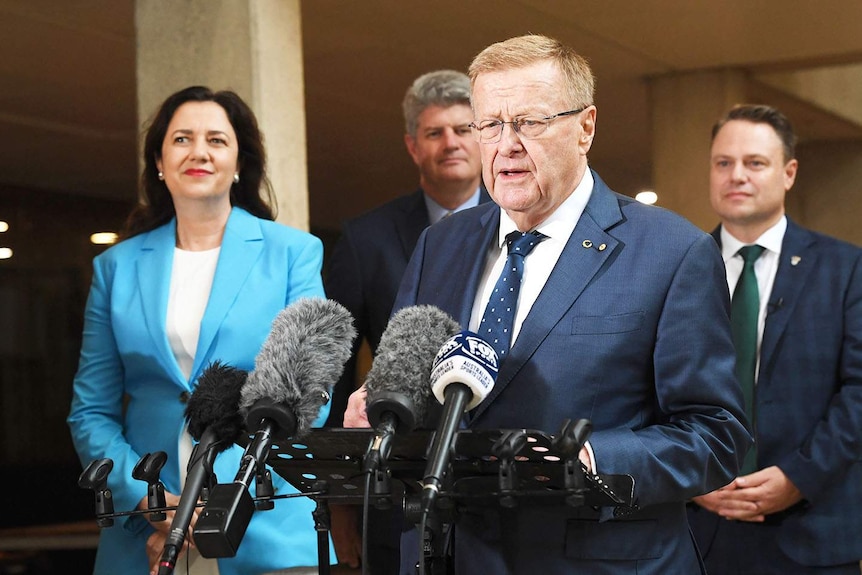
pixel 200 278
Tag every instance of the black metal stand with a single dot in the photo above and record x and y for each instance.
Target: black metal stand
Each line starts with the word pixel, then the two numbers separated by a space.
pixel 505 468
pixel 497 468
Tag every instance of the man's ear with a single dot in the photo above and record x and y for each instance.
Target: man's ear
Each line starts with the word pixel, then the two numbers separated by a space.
pixel 790 174
pixel 588 128
pixel 410 142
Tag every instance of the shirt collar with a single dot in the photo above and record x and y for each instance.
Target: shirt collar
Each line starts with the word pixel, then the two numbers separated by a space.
pixel 436 212
pixel 770 239
pixel 561 223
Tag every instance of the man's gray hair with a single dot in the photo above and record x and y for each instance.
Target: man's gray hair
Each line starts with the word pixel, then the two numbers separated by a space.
pixel 442 88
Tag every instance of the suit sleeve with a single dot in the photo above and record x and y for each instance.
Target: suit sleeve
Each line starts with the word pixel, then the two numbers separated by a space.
pixel 835 442
pixel 96 416
pixel 698 439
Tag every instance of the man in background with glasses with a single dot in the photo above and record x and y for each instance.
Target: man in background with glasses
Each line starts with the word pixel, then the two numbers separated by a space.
pixel 369 260
pixel 618 320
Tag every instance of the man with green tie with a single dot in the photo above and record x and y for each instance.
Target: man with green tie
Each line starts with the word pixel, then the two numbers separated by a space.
pixel 796 311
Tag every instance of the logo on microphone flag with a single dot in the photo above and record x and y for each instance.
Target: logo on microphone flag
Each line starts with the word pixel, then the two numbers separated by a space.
pixel 468 359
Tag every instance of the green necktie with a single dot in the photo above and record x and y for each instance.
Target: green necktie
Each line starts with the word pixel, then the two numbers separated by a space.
pixel 745 308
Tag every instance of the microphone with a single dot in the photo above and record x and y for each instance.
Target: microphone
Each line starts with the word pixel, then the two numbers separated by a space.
pixel 212 416
pixel 463 374
pixel 299 363
pixel 398 392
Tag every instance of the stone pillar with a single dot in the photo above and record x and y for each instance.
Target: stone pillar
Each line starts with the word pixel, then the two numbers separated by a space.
pixel 253 47
pixel 684 108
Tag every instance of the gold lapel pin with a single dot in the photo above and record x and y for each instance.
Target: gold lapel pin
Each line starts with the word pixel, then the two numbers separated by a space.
pixel 589 243
pixel 795 260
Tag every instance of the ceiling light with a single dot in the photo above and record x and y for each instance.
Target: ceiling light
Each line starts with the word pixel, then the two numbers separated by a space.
pixel 647 197
pixel 103 238
pixel 4 226
pixel 5 253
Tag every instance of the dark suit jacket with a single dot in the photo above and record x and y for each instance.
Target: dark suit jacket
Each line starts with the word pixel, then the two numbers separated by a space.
pixel 365 271
pixel 633 336
pixel 809 398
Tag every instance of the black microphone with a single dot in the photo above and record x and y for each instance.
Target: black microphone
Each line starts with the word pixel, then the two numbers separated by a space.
pixel 299 363
pixel 463 374
pixel 397 383
pixel 213 418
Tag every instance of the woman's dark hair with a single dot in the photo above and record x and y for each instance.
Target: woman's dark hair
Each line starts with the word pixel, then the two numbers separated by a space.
pixel 253 192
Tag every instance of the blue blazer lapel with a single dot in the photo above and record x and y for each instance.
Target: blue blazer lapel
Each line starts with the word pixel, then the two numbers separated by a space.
pixel 796 264
pixel 154 280
pixel 464 273
pixel 580 261
pixel 240 249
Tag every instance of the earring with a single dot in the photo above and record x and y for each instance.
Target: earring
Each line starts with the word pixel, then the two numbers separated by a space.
pixel 161 176
pixel 236 178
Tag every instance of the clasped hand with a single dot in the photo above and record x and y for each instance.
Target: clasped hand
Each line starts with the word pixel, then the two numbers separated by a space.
pixel 752 497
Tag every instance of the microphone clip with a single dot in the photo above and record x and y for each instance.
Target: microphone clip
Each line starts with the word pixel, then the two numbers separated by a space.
pixel 568 443
pixel 95 477
pixel 505 449
pixel 148 468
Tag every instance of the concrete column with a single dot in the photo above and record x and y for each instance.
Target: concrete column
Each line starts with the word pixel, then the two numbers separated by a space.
pixel 684 108
pixel 253 47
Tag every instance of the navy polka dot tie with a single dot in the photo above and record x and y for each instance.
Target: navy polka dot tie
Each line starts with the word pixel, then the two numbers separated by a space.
pixel 496 326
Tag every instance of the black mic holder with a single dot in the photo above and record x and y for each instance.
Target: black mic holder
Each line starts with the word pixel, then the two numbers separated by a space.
pixel 147 469
pixel 95 477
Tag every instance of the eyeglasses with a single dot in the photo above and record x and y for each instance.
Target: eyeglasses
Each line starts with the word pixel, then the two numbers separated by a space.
pixel 490 131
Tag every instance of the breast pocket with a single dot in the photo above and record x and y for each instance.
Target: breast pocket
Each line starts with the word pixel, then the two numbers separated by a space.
pixel 606 324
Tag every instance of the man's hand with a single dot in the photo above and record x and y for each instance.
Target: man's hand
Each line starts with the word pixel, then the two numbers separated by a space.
pixel 752 497
pixel 354 415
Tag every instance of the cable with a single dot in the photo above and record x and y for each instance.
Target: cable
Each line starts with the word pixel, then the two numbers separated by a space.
pixel 365 510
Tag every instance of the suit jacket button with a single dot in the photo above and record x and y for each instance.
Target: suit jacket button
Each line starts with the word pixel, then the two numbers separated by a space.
pixel 184 397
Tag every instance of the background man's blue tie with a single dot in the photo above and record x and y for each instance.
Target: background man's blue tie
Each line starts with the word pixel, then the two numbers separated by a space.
pixel 496 326
pixel 745 307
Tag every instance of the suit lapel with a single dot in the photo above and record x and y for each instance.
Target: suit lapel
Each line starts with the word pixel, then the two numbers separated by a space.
pixel 154 281
pixel 464 273
pixel 240 249
pixel 579 262
pixel 797 262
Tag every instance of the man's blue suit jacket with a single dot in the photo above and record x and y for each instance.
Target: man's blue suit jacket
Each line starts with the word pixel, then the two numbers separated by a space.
pixel 130 393
pixel 809 398
pixel 365 271
pixel 629 331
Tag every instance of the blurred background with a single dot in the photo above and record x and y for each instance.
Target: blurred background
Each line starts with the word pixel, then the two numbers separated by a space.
pixel 79 78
